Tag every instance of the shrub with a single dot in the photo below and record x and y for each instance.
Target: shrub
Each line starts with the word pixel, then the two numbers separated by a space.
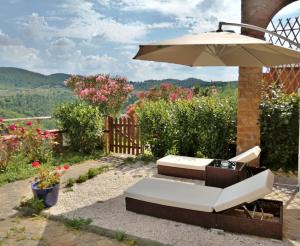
pixel 77 223
pixel 279 121
pixel 70 182
pixel 26 138
pixel 120 236
pixel 155 122
pixel 82 178
pixel 203 126
pixel 83 124
pixel 32 206
pixel 185 120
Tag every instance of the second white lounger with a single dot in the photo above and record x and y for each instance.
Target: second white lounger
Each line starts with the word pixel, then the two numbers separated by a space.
pixel 194 168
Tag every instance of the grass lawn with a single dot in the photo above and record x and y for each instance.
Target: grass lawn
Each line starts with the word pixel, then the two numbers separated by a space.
pixel 20 168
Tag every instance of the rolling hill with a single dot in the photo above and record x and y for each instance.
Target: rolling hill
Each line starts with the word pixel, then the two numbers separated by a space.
pixel 190 82
pixel 11 77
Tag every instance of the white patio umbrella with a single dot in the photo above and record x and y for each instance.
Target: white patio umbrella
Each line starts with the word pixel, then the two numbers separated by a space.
pixel 223 48
pixel 218 49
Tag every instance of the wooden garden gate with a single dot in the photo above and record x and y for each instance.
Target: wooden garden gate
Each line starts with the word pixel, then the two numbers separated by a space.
pixel 123 136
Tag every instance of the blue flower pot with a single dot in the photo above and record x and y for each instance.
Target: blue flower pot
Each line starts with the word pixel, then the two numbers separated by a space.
pixel 48 195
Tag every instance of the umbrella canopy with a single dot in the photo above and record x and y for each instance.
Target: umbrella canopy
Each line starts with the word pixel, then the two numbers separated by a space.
pixel 218 49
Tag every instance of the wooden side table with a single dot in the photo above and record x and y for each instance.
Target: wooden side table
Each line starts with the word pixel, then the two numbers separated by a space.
pixel 223 177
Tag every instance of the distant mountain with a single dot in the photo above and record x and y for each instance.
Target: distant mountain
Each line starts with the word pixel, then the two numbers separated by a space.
pixel 11 77
pixel 190 82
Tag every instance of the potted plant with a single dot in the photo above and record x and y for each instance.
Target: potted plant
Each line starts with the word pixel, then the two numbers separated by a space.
pixel 46 185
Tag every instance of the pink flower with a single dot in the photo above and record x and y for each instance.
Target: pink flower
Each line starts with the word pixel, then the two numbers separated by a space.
pixel 29 123
pixel 35 164
pixel 22 130
pixel 13 127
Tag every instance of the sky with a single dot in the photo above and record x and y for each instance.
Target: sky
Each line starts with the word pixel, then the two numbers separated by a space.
pixel 101 36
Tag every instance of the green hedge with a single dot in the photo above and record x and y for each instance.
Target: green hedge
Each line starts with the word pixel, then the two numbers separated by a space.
pixel 83 124
pixel 206 127
pixel 155 120
pixel 279 131
pixel 200 127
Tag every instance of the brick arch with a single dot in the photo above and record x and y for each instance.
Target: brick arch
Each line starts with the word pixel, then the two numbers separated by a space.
pixel 259 13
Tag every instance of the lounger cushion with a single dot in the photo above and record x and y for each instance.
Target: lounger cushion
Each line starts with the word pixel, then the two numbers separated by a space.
pixel 184 162
pixel 248 155
pixel 245 191
pixel 175 194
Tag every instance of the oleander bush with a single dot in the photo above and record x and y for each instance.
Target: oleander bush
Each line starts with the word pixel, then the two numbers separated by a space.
pixel 83 125
pixel 279 121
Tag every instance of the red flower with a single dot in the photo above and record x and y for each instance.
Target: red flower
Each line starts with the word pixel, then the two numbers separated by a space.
pixel 35 164
pixel 1 120
pixel 22 130
pixel 66 167
pixel 38 130
pixel 29 123
pixel 13 127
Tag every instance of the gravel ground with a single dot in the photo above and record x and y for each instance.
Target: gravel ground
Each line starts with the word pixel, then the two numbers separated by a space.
pixel 102 200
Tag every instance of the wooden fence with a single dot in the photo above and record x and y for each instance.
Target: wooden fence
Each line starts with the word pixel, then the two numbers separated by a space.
pixel 123 136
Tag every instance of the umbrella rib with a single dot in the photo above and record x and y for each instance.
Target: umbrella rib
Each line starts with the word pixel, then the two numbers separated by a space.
pixel 262 64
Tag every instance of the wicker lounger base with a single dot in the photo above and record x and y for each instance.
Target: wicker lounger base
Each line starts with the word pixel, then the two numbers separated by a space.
pixel 223 220
pixel 181 172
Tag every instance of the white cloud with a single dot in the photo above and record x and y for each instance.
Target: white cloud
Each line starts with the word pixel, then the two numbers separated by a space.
pixel 197 15
pixel 61 46
pixel 36 28
pixel 87 23
pixel 63 55
pixel 14 53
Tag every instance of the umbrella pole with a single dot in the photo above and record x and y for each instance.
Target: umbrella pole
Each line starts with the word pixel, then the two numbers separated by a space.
pixel 298 194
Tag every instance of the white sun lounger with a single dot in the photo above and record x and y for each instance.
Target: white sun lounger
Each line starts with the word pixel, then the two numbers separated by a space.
pixel 191 167
pixel 209 206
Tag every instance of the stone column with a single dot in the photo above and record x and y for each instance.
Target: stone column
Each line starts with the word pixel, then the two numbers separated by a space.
pixel 258 13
